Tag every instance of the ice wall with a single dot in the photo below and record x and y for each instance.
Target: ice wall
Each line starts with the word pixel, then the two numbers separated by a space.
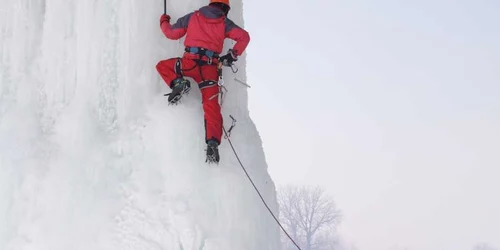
pixel 91 155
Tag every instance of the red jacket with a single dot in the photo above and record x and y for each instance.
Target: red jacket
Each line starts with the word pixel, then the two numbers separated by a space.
pixel 207 28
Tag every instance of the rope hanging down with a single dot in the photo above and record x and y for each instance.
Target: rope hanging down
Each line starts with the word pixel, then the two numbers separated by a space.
pixel 256 189
pixel 227 136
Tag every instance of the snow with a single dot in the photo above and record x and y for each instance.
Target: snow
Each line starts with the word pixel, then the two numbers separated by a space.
pixel 91 155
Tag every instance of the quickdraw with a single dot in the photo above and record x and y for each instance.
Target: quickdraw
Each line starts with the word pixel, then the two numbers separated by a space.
pixel 220 82
pixel 233 124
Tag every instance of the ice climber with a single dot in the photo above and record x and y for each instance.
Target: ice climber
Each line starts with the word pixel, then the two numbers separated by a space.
pixel 205 30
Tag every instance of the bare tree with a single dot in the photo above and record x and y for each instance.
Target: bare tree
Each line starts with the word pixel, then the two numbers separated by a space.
pixel 309 215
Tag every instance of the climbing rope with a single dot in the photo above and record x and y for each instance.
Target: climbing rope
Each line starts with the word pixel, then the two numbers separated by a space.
pixel 227 136
pixel 258 192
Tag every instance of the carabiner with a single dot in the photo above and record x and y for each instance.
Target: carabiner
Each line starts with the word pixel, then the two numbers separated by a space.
pixel 232 69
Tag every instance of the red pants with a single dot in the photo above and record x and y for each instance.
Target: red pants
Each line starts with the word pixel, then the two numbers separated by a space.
pixel 207 78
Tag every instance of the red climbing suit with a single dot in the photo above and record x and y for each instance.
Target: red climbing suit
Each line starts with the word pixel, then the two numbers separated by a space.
pixel 205 28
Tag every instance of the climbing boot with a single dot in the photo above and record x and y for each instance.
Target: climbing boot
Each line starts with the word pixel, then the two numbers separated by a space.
pixel 180 86
pixel 212 152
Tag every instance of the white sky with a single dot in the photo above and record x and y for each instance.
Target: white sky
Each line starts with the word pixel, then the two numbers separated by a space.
pixel 394 107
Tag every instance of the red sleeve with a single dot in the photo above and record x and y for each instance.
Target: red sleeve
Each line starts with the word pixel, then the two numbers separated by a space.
pixel 239 35
pixel 177 30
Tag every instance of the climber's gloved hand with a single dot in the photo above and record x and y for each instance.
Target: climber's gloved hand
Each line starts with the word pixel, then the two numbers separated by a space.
pixel 164 18
pixel 229 58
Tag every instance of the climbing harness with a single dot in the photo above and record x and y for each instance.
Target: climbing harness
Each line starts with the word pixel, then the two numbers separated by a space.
pixel 203 52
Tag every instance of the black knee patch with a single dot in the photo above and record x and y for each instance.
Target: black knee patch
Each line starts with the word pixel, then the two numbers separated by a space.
pixel 178 67
pixel 206 84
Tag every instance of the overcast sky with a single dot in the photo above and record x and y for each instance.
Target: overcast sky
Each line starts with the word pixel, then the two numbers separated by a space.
pixel 394 106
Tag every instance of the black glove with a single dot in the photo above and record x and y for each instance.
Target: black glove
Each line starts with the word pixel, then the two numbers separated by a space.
pixel 229 58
